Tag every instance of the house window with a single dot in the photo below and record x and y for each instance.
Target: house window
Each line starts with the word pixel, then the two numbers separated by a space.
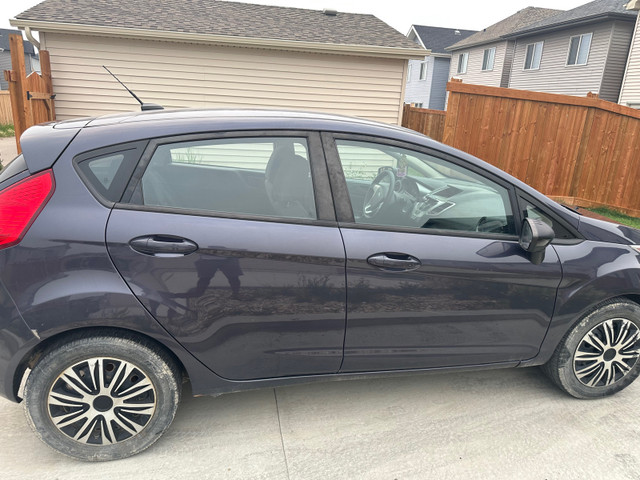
pixel 488 59
pixel 533 56
pixel 579 49
pixel 423 70
pixel 463 59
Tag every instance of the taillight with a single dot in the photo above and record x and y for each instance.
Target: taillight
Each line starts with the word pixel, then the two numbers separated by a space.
pixel 20 205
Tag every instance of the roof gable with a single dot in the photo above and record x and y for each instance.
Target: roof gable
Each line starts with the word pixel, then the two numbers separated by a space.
pixel 221 18
pixel 437 39
pixel 590 12
pixel 515 22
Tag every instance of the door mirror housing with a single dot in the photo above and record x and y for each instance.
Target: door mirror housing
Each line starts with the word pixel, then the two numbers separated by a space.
pixel 535 237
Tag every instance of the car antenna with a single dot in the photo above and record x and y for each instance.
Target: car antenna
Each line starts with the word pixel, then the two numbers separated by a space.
pixel 143 106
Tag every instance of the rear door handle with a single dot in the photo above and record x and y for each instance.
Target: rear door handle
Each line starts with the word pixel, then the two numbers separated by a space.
pixel 394 262
pixel 163 245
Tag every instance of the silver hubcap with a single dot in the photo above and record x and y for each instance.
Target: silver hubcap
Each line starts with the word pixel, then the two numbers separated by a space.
pixel 607 353
pixel 101 401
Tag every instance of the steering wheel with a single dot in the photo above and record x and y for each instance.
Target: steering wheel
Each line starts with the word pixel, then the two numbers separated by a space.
pixel 379 194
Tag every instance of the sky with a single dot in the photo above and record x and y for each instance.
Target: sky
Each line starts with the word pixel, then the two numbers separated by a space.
pixel 400 14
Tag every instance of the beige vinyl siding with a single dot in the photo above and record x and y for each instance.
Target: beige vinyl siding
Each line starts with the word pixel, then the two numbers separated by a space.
pixel 474 74
pixel 621 35
pixel 178 75
pixel 630 93
pixel 554 75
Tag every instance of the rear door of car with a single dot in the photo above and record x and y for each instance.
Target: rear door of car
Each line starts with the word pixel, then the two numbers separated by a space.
pixel 230 241
pixel 453 288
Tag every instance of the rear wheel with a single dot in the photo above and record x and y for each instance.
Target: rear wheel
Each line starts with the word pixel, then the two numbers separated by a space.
pixel 599 356
pixel 102 398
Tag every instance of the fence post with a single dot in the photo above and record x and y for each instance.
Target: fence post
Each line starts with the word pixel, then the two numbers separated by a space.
pixel 45 68
pixel 16 78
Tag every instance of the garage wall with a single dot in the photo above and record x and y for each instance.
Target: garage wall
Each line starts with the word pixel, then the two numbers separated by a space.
pixel 178 75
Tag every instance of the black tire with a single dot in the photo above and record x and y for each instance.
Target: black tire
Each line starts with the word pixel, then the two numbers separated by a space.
pixel 599 355
pixel 140 393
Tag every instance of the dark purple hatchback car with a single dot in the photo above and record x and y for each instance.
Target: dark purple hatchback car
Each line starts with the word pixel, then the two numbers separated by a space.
pixel 246 249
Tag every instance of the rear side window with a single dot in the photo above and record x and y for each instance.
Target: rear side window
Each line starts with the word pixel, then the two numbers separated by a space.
pixel 265 176
pixel 107 171
pixel 17 165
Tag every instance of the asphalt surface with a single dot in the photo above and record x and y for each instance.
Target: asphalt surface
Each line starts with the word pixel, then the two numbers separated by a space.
pixel 502 424
pixel 8 149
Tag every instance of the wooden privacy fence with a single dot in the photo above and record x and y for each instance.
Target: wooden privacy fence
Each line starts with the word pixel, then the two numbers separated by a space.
pixel 581 151
pixel 5 107
pixel 429 122
pixel 32 96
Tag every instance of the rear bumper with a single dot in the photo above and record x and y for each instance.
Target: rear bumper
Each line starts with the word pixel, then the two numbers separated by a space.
pixel 14 337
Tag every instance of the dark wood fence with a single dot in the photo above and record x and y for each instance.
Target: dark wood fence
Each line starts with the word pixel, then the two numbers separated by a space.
pixel 582 151
pixel 424 120
pixel 31 96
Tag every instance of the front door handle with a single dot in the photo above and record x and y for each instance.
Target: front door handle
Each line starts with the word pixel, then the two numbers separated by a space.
pixel 394 262
pixel 163 245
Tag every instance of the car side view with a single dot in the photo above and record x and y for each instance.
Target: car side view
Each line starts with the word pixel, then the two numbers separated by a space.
pixel 247 249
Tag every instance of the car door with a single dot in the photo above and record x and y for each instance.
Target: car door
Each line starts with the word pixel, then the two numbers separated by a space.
pixel 435 274
pixel 230 241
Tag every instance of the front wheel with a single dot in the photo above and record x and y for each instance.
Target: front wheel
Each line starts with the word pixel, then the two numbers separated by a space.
pixel 599 356
pixel 102 398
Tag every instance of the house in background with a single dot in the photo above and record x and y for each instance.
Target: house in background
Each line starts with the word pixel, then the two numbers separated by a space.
pixel 575 52
pixel 485 58
pixel 427 78
pixel 31 59
pixel 630 91
pixel 221 54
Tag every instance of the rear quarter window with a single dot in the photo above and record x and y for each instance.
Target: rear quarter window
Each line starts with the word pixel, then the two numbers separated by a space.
pixel 107 171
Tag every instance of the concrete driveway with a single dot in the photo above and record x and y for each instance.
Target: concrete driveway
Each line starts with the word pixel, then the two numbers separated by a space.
pixel 502 424
pixel 8 149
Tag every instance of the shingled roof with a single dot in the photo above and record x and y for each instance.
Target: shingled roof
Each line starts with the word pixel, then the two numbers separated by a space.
pixel 218 18
pixel 515 22
pixel 590 12
pixel 437 39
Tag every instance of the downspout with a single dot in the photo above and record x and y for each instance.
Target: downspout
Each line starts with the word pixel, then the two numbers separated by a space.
pixel 31 38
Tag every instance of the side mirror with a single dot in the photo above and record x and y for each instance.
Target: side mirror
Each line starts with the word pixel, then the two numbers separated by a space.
pixel 535 237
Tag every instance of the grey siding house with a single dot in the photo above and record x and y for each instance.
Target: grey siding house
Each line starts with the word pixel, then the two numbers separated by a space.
pixel 427 78
pixel 575 52
pixel 485 58
pixel 31 60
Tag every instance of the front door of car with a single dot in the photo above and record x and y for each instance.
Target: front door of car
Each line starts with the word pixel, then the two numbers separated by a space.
pixel 435 274
pixel 231 244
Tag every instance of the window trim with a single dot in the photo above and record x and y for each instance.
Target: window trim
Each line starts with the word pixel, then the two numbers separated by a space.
pixel 524 65
pixel 464 55
pixel 344 209
pixel 567 64
pixel 493 59
pixel 423 71
pixel 325 211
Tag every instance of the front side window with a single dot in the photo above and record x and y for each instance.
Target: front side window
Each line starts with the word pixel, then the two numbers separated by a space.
pixel 254 176
pixel 533 56
pixel 579 49
pixel 394 186
pixel 463 59
pixel 488 59
pixel 423 70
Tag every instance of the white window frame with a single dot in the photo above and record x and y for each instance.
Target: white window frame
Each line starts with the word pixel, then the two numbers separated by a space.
pixel 533 56
pixel 463 62
pixel 489 53
pixel 581 37
pixel 409 72
pixel 423 71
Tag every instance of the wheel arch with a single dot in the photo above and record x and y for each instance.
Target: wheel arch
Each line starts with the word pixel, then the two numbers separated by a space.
pixel 31 357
